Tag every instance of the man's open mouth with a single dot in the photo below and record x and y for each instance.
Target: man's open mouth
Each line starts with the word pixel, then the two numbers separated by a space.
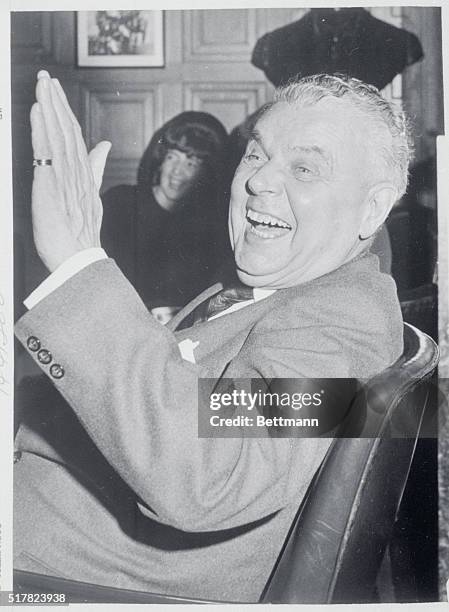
pixel 265 225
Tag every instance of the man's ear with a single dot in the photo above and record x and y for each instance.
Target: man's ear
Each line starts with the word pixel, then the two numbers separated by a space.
pixel 379 202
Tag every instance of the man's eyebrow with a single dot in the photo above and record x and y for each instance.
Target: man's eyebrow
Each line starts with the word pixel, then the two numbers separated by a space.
pixel 255 135
pixel 315 150
pixel 310 149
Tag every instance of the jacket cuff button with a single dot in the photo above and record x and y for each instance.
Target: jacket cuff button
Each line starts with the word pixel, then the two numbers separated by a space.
pixel 57 371
pixel 44 356
pixel 33 344
pixel 17 456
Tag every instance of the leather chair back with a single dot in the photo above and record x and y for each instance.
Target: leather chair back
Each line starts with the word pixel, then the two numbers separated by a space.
pixel 337 542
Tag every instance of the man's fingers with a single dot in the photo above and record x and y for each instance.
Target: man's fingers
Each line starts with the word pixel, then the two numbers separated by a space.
pixel 65 102
pixel 97 159
pixel 39 139
pixel 66 117
pixel 52 127
pixel 66 124
pixel 69 121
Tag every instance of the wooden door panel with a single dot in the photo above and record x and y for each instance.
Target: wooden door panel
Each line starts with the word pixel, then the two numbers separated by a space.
pixel 218 34
pixel 128 118
pixel 231 102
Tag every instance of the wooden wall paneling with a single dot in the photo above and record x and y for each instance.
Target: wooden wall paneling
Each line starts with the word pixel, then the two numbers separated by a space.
pixel 43 38
pixel 423 81
pixel 127 118
pixel 22 159
pixel 230 102
pixel 219 72
pixel 173 28
pixel 173 101
pixel 274 18
pixel 215 35
pixel 31 37
pixel 64 37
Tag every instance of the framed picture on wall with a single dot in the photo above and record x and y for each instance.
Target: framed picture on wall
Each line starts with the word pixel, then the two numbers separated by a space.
pixel 120 38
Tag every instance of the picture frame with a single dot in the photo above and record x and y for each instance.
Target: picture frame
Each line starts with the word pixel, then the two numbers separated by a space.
pixel 120 39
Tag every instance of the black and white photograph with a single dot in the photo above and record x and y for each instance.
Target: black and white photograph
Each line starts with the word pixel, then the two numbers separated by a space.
pixel 229 313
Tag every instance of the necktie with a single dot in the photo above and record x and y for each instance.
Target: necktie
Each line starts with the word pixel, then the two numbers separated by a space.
pixel 216 304
pixel 228 297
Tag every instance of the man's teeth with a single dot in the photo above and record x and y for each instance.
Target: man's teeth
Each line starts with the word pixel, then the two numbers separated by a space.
pixel 267 220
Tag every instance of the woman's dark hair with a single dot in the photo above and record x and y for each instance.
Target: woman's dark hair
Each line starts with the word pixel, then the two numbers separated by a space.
pixel 194 133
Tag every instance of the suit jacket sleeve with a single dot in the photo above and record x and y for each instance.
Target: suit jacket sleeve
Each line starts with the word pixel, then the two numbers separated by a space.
pixel 138 400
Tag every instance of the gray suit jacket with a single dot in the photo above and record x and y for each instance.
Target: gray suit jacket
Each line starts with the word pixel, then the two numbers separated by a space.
pixel 122 486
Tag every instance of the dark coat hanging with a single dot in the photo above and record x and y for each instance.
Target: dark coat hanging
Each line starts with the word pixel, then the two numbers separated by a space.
pixel 350 41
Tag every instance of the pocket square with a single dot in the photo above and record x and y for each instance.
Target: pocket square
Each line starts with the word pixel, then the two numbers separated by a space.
pixel 186 348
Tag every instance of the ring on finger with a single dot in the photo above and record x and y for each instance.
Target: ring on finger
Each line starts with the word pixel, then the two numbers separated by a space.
pixel 45 161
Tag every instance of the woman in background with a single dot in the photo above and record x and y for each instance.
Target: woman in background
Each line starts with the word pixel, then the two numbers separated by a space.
pixel 167 233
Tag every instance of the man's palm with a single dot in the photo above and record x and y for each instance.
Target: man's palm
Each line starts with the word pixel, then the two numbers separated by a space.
pixel 66 205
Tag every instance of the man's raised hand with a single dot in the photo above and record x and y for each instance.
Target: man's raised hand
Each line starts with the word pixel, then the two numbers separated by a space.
pixel 66 205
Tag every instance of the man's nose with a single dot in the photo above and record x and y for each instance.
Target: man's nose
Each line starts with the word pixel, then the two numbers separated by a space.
pixel 264 180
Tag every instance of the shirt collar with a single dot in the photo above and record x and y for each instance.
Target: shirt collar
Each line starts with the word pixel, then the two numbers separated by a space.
pixel 260 293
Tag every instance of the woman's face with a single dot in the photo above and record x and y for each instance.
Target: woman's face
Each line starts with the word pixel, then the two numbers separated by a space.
pixel 179 172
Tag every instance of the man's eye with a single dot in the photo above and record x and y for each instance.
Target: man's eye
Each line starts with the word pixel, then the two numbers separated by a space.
pixel 303 172
pixel 251 156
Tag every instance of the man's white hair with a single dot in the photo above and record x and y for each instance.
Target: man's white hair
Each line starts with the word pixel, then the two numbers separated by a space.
pixel 396 153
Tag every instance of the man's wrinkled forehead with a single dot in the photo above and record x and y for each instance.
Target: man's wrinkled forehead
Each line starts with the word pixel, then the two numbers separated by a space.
pixel 311 127
pixel 314 151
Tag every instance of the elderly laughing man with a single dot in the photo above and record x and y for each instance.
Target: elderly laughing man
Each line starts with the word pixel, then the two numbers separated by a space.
pixel 119 489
